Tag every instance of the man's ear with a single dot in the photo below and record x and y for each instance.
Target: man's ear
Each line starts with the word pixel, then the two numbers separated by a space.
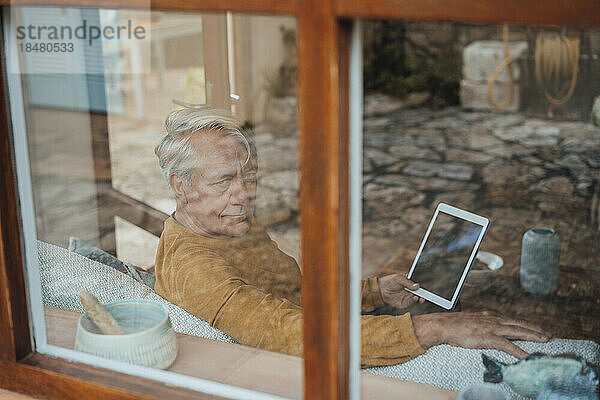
pixel 178 186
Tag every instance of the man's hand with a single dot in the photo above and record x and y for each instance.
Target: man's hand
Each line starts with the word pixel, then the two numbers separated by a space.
pixel 393 293
pixel 479 330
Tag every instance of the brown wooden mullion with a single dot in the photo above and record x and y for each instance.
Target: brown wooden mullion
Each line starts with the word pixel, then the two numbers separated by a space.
pixel 15 339
pixel 324 201
pixel 575 13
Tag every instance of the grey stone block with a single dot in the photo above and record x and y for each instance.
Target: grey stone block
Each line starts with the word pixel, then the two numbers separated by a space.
pixel 473 95
pixel 482 58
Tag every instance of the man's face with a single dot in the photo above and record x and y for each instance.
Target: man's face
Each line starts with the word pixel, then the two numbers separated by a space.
pixel 220 201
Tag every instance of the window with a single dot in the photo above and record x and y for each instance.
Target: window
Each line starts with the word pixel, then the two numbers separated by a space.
pixel 106 146
pixel 448 119
pixel 323 43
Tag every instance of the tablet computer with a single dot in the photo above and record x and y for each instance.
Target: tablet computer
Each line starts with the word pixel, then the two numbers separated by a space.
pixel 446 254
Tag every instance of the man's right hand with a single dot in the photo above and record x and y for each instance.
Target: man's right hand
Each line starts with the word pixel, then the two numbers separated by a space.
pixel 476 330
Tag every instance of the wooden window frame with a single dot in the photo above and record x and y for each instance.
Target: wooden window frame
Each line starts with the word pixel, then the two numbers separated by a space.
pixel 323 38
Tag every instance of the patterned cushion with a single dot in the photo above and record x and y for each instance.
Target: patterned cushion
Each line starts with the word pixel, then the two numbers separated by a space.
pixel 64 274
pixel 96 254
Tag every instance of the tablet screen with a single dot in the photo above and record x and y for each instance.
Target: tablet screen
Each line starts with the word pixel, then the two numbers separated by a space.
pixel 445 254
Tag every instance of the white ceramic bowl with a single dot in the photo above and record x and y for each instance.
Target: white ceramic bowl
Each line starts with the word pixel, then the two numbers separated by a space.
pixel 493 261
pixel 149 338
pixel 479 277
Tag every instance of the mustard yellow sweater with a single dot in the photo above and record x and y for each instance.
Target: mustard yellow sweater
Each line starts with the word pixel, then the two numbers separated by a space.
pixel 250 289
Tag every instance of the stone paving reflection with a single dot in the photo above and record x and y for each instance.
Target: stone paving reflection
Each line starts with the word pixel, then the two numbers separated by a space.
pixel 520 172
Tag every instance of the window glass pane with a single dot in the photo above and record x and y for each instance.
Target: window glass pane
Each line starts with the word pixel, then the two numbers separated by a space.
pixel 189 136
pixel 505 125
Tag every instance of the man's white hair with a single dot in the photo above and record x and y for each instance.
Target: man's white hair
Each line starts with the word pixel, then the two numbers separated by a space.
pixel 176 154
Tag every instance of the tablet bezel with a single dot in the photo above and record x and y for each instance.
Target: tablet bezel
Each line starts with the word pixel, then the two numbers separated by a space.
pixel 458 213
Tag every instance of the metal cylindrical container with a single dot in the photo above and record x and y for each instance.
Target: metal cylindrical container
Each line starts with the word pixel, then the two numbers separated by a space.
pixel 540 255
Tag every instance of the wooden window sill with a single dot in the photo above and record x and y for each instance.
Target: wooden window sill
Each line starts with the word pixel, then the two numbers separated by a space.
pixel 247 367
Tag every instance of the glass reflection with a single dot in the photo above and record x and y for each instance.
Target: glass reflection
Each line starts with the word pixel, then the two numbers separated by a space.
pixel 103 197
pixel 502 122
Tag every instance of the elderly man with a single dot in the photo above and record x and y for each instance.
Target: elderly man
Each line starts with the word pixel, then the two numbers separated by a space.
pixel 216 261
